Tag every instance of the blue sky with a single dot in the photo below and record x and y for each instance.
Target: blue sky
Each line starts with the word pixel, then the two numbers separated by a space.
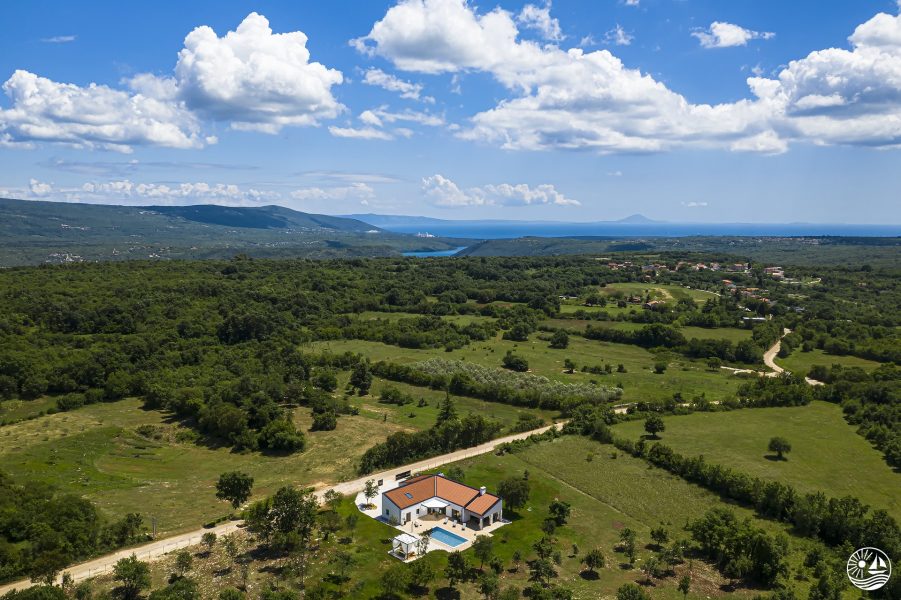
pixel 754 111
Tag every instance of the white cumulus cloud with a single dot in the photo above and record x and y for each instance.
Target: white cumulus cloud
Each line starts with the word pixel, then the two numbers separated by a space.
pixel 254 78
pixel 128 192
pixel 250 78
pixel 360 133
pixel 618 36
pixel 442 191
pixel 360 191
pixel 96 116
pixel 725 35
pixel 574 99
pixel 539 18
pixel 406 89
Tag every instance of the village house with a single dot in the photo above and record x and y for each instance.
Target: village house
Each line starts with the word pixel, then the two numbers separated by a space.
pixel 438 497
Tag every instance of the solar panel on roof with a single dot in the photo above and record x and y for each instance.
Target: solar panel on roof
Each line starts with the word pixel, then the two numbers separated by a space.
pixel 408 495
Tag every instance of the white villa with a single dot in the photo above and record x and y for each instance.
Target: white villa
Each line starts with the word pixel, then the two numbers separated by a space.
pixel 437 497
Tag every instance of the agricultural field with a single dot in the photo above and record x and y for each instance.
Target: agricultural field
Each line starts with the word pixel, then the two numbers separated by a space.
pixel 801 362
pixel 423 417
pixel 688 377
pixel 827 454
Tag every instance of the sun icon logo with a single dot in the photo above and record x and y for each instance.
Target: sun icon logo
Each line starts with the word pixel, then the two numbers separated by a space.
pixel 869 568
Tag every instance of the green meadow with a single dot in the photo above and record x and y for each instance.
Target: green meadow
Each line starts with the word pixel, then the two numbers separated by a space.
pixel 827 454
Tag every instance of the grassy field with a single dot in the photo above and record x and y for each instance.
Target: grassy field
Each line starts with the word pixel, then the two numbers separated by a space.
pixel 657 291
pixel 95 452
pixel 827 455
pixel 801 362
pixel 601 508
pixel 688 377
pixel 733 334
pixel 371 315
pixel 16 410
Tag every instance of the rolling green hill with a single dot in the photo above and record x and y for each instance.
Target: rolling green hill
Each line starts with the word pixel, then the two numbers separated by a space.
pixel 34 232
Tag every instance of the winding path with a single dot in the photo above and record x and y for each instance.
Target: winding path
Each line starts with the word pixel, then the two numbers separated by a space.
pixel 158 548
pixel 769 359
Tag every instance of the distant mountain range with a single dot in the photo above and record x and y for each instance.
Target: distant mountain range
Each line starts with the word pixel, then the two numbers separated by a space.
pixel 406 221
pixel 42 231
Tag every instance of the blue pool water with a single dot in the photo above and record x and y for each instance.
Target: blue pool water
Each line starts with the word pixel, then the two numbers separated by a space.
pixel 446 537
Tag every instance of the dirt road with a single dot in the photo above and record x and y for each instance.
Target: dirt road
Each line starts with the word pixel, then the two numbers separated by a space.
pixel 158 548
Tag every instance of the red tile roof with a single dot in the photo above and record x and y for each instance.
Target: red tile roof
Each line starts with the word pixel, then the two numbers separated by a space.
pixel 482 504
pixel 419 489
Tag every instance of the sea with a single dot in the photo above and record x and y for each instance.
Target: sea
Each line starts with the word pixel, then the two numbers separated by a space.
pixel 488 230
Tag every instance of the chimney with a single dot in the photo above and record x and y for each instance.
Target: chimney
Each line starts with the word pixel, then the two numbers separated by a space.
pixel 482 491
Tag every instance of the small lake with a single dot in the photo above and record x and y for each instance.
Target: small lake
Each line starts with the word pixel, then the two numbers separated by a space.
pixel 450 252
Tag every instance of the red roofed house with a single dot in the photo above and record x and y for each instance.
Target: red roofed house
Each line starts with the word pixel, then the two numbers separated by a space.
pixel 437 495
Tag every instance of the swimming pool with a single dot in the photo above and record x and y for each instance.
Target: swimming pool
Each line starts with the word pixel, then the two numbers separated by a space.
pixel 446 537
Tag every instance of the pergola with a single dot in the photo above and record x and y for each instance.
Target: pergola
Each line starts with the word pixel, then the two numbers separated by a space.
pixel 435 505
pixel 404 545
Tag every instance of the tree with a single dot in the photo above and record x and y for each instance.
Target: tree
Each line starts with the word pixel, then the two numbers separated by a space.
pixel 324 421
pixel 594 560
pixel 630 591
pixel 281 435
pixel 654 425
pixel 447 412
pixel 560 340
pixel 333 499
pixel 361 377
pixel 209 540
pixel 329 523
pixel 395 580
pixel 660 367
pixel 231 594
pixel 180 588
pixel 235 487
pixel 422 544
pixel 133 576
pixel 457 569
pixel 685 585
pixel 651 568
pixel 45 566
pixel 326 379
pixel 183 562
pixel 231 547
pixel 569 365
pixel 421 574
pixel 542 568
pixel 483 548
pixel 343 561
pixel 370 491
pixel 514 362
pixel 559 511
pixel 627 541
pixel 660 536
pixel 514 491
pixel 489 585
pixel 780 446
